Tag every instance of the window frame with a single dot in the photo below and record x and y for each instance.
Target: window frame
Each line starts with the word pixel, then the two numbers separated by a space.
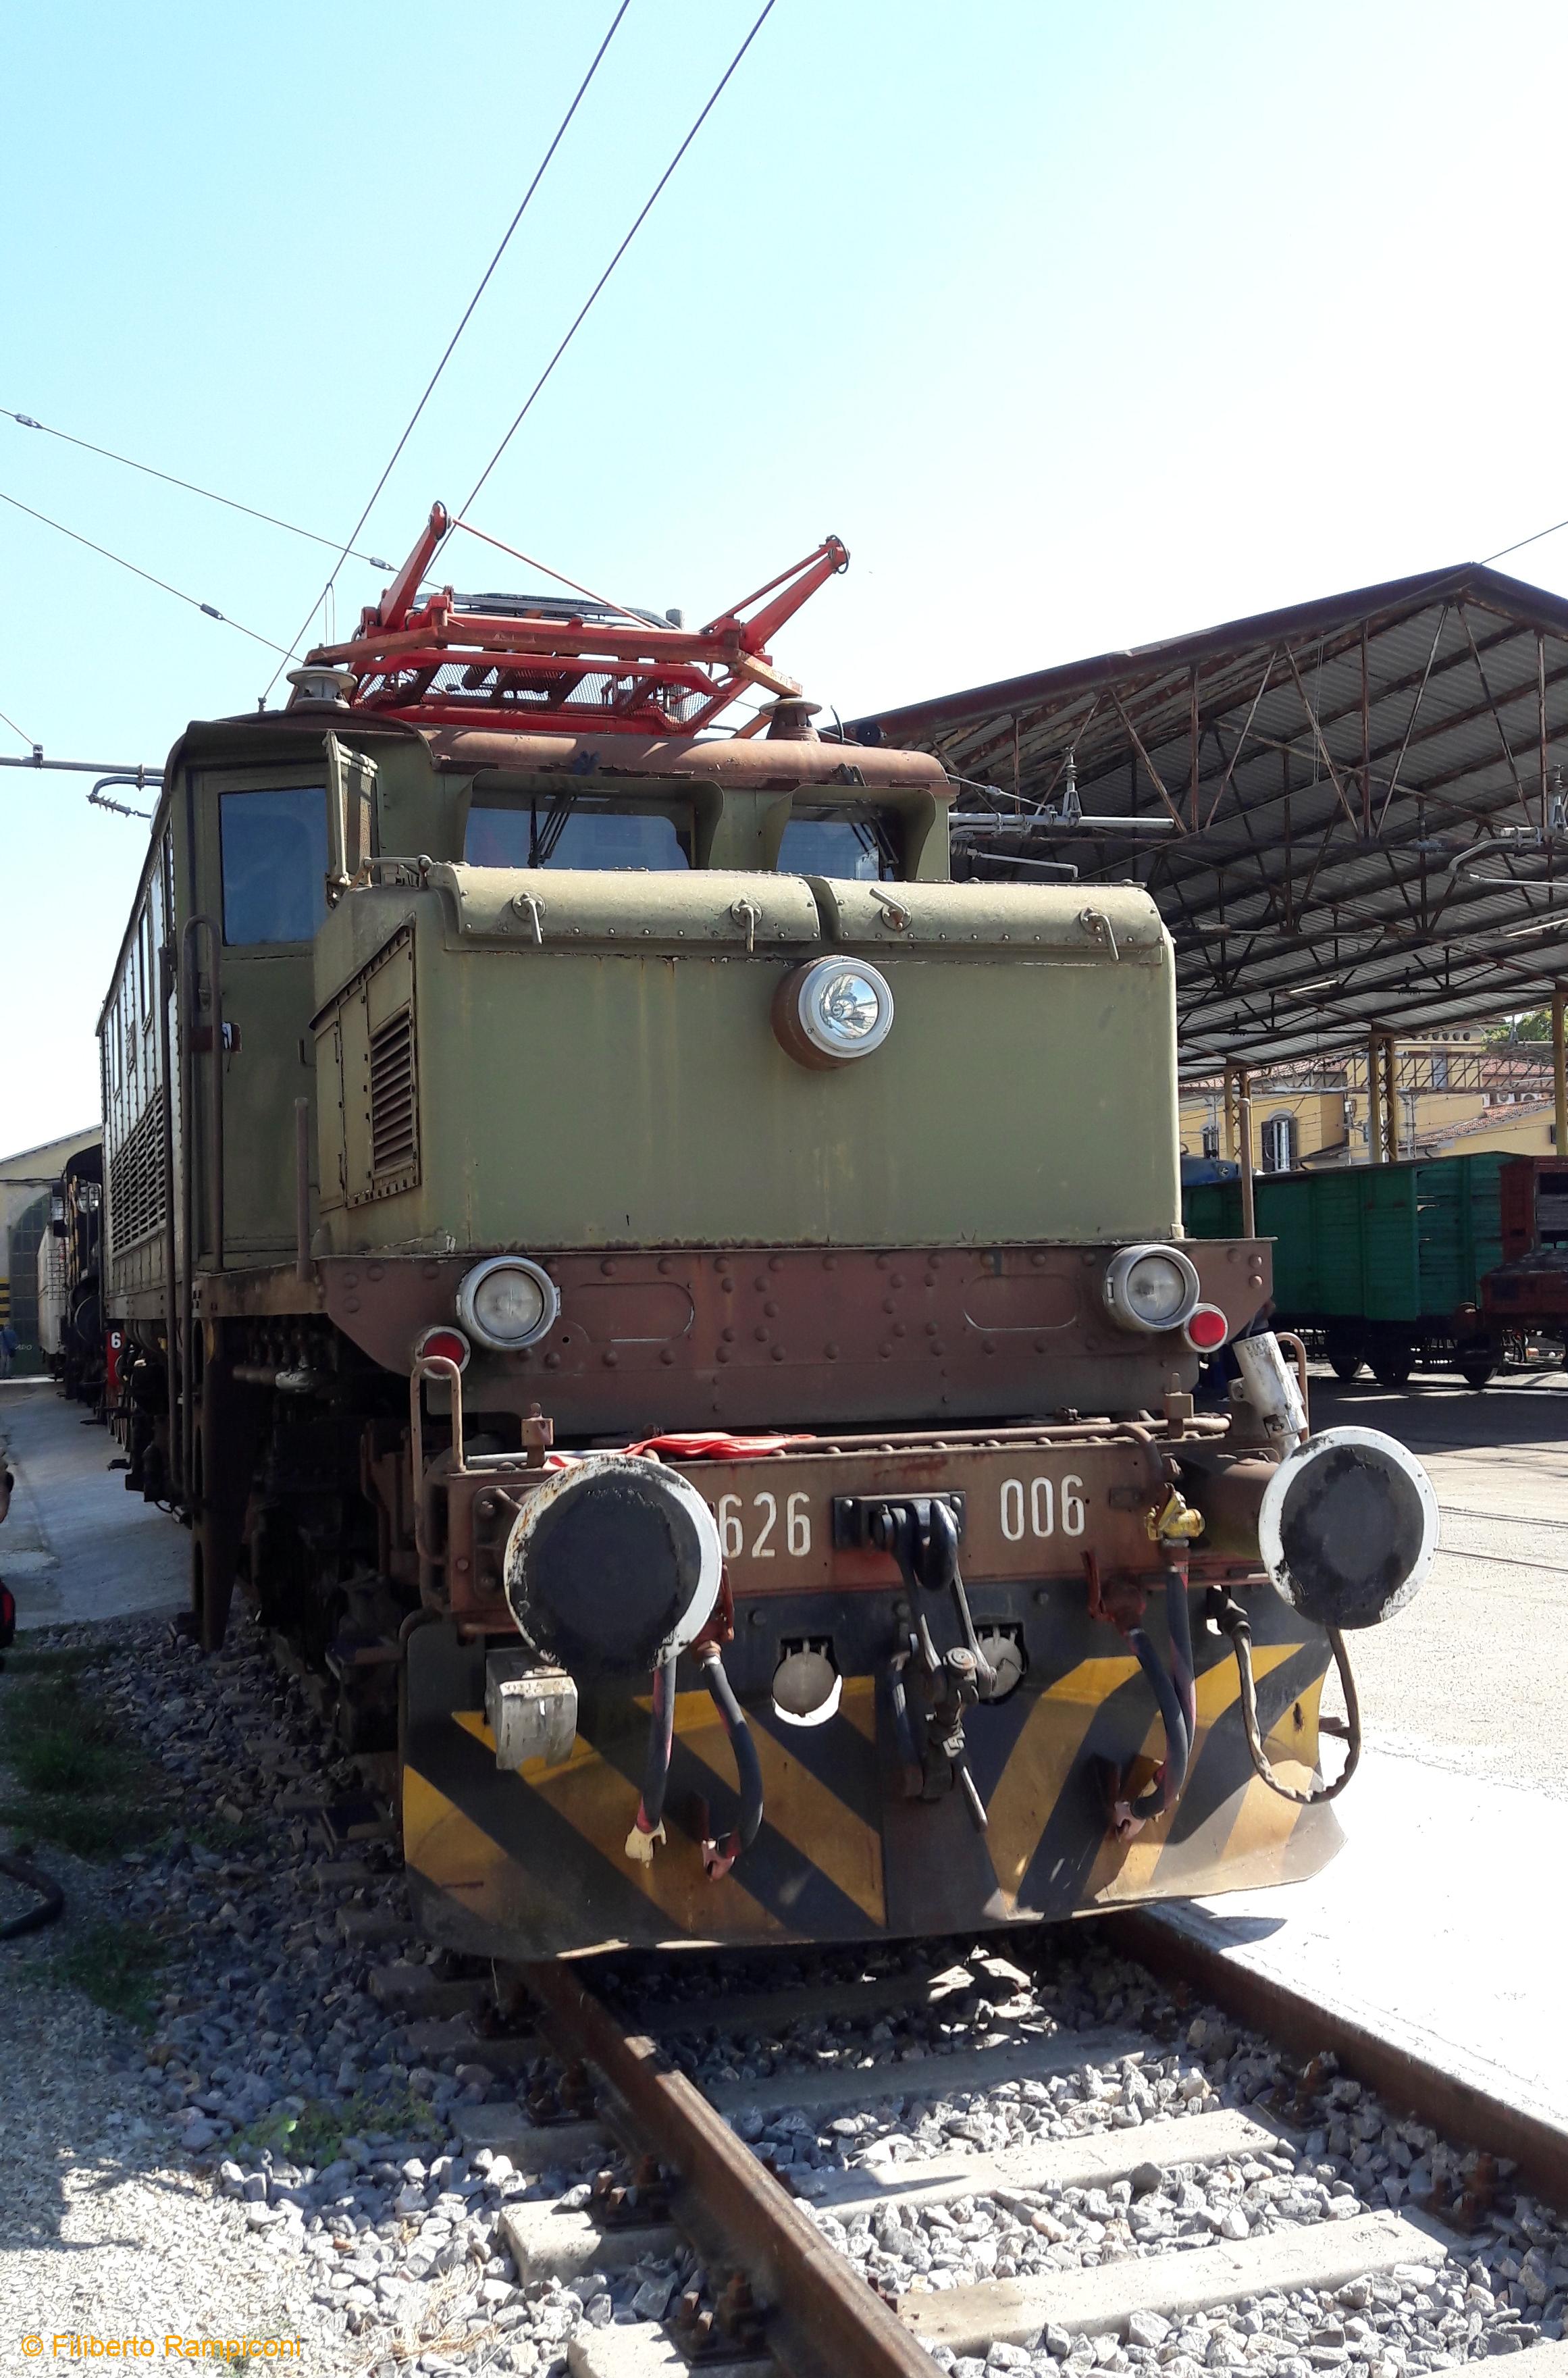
pixel 1285 1125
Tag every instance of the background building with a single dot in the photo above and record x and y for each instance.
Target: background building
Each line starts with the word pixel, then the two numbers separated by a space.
pixel 25 1182
pixel 1456 1092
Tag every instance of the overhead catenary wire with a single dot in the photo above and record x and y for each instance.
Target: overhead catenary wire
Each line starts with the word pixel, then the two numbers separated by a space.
pixel 26 421
pixel 209 610
pixel 539 174
pixel 1504 551
pixel 559 576
pixel 589 302
pixel 32 741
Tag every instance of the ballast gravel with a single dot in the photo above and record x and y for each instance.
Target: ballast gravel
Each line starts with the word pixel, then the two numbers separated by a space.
pixel 139 2192
pixel 1342 2154
pixel 151 2183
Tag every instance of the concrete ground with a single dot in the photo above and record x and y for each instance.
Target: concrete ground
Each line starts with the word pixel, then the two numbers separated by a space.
pixel 1442 1921
pixel 75 1546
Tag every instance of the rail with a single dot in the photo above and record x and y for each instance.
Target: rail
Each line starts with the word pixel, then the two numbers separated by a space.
pixel 826 2322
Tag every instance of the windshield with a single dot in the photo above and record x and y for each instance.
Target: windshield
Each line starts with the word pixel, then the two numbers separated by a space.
pixel 542 834
pixel 840 846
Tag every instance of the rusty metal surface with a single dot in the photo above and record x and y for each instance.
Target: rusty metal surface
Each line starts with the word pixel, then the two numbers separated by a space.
pixel 1406 2081
pixel 1035 1499
pixel 748 1337
pixel 821 2320
pixel 740 766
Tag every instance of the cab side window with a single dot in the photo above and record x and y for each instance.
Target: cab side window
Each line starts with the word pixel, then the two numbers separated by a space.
pixel 274 844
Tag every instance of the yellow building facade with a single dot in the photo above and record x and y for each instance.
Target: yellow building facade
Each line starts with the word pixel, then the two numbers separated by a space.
pixel 1455 1093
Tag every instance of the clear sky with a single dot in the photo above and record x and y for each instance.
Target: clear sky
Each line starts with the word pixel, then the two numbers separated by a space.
pixel 1080 325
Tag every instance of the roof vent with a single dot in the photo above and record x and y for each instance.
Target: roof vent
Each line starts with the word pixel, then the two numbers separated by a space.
pixel 321 689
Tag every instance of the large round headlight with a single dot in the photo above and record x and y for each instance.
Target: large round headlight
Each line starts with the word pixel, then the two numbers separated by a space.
pixel 1151 1288
pixel 831 1010
pixel 508 1303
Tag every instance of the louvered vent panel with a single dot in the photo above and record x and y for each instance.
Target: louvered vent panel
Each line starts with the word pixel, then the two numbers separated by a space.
pixel 136 1179
pixel 394 1125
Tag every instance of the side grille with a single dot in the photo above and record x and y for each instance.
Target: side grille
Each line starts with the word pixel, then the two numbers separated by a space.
pixel 394 1119
pixel 136 1179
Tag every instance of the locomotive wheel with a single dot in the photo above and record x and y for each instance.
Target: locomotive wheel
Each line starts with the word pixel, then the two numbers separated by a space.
pixel 1347 1366
pixel 1477 1369
pixel 1392 1368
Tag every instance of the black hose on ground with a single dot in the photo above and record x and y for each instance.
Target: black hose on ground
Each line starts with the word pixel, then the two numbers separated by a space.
pixel 51 1898
pixel 718 1856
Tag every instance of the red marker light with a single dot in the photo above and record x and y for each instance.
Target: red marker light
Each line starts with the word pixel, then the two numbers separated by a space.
pixel 1206 1329
pixel 449 1344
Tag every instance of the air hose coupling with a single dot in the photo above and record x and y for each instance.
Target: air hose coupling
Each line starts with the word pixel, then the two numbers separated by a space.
pixel 1226 1612
pixel 719 1855
pixel 648 1828
pixel 1174 1689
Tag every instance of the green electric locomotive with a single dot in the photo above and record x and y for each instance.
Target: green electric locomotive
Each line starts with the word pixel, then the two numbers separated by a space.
pixel 681 1308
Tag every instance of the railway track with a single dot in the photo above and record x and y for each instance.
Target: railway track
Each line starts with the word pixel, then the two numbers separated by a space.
pixel 1145 2223
pixel 962 2160
pixel 1020 2150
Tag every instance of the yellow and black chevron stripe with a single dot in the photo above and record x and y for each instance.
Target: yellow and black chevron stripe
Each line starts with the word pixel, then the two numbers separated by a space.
pixel 533 1865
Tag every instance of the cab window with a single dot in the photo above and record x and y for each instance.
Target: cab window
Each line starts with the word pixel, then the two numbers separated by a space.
pixel 274 845
pixel 857 848
pixel 547 834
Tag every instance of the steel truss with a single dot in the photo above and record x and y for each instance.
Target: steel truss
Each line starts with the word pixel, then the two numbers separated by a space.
pixel 1351 813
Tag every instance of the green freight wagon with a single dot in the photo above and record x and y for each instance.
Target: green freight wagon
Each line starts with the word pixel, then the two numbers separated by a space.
pixel 1379 1264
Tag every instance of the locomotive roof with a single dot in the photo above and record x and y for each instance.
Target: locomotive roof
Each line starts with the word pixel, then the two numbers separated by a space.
pixel 742 764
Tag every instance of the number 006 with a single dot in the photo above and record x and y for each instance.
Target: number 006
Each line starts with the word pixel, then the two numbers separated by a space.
pixel 1032 1508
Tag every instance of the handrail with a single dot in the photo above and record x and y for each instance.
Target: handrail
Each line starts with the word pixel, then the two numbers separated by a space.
pixel 429 1366
pixel 189 989
pixel 193 925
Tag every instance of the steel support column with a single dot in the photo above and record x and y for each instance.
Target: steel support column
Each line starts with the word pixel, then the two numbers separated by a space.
pixel 1560 1066
pixel 1239 1138
pixel 1383 1099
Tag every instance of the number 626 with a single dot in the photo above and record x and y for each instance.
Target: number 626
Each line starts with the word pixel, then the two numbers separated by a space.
pixel 764 1524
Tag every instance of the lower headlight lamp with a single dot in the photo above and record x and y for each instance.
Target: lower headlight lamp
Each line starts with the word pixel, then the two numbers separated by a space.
pixel 508 1302
pixel 1150 1288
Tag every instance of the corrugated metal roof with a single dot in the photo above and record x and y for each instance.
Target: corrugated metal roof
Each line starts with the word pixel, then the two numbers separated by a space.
pixel 1350 812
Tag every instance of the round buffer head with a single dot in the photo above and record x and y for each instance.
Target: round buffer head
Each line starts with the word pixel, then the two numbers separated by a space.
pixel 614 1564
pixel 1348 1527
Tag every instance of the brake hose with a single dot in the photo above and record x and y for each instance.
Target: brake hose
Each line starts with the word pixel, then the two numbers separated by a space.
pixel 718 1856
pixel 648 1828
pixel 1175 1693
pixel 1233 1619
